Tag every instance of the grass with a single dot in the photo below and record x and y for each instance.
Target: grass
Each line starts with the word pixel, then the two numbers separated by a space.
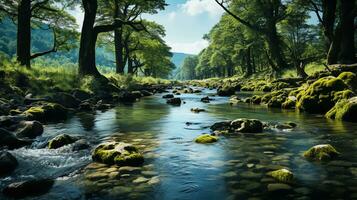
pixel 309 69
pixel 44 78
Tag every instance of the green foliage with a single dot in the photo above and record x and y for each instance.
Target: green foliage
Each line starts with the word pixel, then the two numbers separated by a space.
pixel 188 68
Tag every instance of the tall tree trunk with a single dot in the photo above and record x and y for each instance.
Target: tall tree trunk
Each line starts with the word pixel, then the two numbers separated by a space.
pixel 24 33
pixel 130 66
pixel 249 71
pixel 275 49
pixel 119 48
pixel 329 18
pixel 87 65
pixel 347 43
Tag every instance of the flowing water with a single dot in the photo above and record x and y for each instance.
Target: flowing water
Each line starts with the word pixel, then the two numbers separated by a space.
pixel 177 168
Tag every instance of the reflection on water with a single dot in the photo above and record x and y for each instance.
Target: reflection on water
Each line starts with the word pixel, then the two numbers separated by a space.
pixel 177 168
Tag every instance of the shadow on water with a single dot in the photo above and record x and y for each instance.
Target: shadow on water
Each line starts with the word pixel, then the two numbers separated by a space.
pixel 177 168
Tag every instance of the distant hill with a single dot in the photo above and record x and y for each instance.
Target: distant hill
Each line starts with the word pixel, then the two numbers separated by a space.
pixel 178 59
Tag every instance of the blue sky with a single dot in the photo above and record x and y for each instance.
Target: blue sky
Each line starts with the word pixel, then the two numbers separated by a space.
pixel 185 21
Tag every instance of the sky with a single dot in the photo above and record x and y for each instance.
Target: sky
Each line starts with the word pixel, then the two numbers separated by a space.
pixel 185 21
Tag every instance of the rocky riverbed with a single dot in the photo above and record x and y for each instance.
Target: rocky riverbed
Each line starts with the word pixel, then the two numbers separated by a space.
pixel 253 152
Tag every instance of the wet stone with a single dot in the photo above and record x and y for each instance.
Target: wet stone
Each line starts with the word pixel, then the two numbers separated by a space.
pixel 274 187
pixel 130 170
pixel 154 180
pixel 141 180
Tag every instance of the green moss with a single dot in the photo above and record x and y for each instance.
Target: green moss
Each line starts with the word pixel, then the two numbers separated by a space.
pixel 132 159
pixel 345 110
pixel 46 112
pixel 320 97
pixel 206 138
pixel 121 154
pixel 35 113
pixel 282 175
pixel 321 152
pixel 350 79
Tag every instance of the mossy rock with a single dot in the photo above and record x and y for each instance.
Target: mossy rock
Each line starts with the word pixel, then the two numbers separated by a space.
pixel 60 141
pixel 345 110
pixel 121 154
pixel 247 125
pixel 282 175
pixel 321 152
pixel 275 99
pixel 226 91
pixel 350 79
pixel 256 99
pixel 322 95
pixel 46 112
pixel 206 138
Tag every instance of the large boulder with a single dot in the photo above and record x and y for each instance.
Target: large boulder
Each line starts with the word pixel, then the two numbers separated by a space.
pixel 46 112
pixel 10 141
pixel 65 99
pixel 345 110
pixel 247 125
pixel 321 152
pixel 29 129
pixel 28 188
pixel 206 138
pixel 8 163
pixel 60 141
pixel 322 95
pixel 121 154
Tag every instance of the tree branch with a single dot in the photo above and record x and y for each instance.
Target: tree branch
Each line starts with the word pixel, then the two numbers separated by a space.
pixel 54 48
pixel 242 21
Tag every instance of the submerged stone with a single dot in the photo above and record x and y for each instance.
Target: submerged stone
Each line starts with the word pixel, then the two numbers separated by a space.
pixel 28 188
pixel 278 187
pixel 121 154
pixel 321 152
pixel 206 138
pixel 197 110
pixel 282 175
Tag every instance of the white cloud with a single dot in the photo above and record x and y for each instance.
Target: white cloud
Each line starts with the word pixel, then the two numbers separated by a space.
pixel 189 47
pixel 196 7
pixel 172 16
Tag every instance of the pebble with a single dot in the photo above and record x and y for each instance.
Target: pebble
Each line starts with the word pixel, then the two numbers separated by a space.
pixel 272 187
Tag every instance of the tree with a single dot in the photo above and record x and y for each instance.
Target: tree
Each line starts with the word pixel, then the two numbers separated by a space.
pixel 337 18
pixel 188 68
pixel 28 13
pixel 262 17
pixel 125 11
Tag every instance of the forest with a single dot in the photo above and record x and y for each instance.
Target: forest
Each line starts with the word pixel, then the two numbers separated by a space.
pixel 119 99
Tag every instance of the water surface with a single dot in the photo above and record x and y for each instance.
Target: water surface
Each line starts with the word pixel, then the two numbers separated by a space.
pixel 177 168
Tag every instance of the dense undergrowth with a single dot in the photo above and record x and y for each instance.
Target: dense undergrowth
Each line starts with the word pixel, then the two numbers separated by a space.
pixel 42 79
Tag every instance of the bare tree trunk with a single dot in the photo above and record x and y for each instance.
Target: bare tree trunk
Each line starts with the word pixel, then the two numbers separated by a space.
pixel 347 43
pixel 24 33
pixel 87 65
pixel 119 60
